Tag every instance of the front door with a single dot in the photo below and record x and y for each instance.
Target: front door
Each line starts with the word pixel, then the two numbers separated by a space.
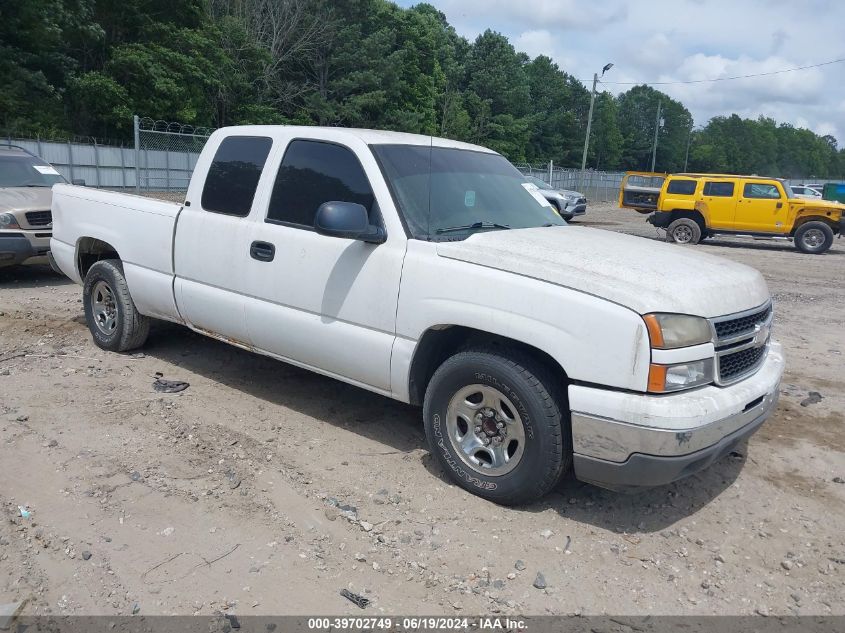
pixel 718 203
pixel 762 208
pixel 324 302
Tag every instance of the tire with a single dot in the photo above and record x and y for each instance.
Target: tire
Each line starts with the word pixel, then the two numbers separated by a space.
pixel 536 432
pixel 683 231
pixel 814 238
pixel 114 321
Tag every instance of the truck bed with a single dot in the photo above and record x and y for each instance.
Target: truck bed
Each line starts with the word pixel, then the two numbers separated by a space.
pixel 139 229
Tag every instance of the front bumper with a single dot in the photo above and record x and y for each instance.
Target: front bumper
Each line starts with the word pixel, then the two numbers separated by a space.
pixel 659 219
pixel 573 210
pixel 626 441
pixel 18 246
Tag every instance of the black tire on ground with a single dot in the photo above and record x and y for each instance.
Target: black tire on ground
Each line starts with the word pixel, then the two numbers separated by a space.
pixel 814 238
pixel 683 231
pixel 114 321
pixel 528 398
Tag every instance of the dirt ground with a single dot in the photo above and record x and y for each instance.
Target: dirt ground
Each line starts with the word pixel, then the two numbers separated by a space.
pixel 266 489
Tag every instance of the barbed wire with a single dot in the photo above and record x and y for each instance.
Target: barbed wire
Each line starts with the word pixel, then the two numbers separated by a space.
pixel 147 124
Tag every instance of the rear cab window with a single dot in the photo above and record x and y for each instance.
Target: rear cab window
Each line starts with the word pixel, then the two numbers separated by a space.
pixel 233 176
pixel 718 188
pixel 313 172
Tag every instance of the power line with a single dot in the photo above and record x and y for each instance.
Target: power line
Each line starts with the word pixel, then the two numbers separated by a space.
pixel 702 81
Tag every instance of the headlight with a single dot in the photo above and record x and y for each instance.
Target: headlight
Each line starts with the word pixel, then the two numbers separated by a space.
pixel 663 378
pixel 670 331
pixel 8 221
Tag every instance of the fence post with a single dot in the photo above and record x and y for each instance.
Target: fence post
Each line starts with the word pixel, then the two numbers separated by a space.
pixel 551 167
pixel 167 168
pixel 136 123
pixel 38 143
pixel 123 165
pixel 70 159
pixel 97 162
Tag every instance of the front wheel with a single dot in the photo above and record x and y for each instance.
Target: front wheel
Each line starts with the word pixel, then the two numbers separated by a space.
pixel 114 321
pixel 495 424
pixel 814 238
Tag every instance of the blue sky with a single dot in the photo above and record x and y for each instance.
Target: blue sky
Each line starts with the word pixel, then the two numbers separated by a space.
pixel 681 40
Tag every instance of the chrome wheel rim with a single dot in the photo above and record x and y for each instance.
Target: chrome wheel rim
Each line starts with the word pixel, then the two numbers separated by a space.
pixel 103 308
pixel 813 238
pixel 485 430
pixel 682 234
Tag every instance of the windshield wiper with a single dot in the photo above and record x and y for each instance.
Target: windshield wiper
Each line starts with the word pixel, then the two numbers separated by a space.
pixel 474 225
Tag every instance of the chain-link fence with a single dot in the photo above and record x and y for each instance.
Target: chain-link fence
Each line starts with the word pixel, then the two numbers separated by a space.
pixel 165 156
pixel 597 186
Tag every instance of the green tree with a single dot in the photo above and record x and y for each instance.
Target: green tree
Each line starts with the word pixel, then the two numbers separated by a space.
pixel 637 118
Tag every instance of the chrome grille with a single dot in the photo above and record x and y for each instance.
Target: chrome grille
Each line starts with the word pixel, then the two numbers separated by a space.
pixel 39 218
pixel 742 341
pixel 740 363
pixel 731 327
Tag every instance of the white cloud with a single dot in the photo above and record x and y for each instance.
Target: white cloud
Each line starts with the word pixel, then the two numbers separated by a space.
pixel 682 40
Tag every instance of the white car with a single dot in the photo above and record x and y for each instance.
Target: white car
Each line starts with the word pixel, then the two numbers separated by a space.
pixel 803 191
pixel 429 271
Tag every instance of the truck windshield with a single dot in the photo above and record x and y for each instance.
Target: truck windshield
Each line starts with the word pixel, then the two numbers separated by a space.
pixel 448 194
pixel 26 171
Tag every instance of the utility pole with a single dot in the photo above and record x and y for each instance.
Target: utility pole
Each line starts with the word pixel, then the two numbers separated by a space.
pixel 590 122
pixel 689 140
pixel 656 130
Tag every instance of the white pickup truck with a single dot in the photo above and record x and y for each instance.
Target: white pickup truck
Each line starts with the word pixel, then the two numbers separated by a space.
pixel 429 271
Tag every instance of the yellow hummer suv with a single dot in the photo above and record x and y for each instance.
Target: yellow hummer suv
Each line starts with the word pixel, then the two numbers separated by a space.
pixel 692 207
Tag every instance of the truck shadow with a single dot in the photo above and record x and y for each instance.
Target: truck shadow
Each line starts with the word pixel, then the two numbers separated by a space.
pixel 383 420
pixel 649 510
pixel 399 428
pixel 646 511
pixel 31 276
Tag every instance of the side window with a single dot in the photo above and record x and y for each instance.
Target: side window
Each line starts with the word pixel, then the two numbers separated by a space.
pixel 760 190
pixel 681 187
pixel 721 189
pixel 314 172
pixel 233 176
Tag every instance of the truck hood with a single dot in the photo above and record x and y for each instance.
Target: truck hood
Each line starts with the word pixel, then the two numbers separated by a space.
pixel 641 274
pixel 816 203
pixel 25 199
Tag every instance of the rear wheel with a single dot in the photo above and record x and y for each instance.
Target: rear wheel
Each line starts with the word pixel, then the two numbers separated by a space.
pixel 495 426
pixel 814 237
pixel 684 231
pixel 114 321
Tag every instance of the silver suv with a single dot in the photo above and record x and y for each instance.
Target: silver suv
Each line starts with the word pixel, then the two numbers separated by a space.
pixel 26 223
pixel 567 203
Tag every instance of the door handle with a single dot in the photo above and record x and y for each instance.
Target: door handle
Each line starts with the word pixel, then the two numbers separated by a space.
pixel 262 251
pixel 778 205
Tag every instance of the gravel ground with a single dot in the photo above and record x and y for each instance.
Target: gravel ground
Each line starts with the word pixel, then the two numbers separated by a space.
pixel 265 489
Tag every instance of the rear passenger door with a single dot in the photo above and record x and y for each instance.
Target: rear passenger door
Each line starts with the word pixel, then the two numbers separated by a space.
pixel 761 208
pixel 324 302
pixel 718 203
pixel 213 236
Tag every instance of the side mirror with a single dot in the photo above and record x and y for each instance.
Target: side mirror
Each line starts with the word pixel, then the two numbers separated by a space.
pixel 347 220
pixel 78 181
